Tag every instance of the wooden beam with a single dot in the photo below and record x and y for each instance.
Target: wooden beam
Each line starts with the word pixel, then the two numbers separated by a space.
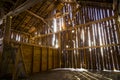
pixel 35 15
pixel 25 6
pixel 7 29
pixel 71 28
pixel 21 8
pixel 42 19
pixel 36 45
pixel 17 3
pixel 87 47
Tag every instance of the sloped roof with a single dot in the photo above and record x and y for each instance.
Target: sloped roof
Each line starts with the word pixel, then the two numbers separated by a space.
pixel 34 17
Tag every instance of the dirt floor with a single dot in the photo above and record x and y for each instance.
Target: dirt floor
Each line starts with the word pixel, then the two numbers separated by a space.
pixel 70 74
pixel 76 75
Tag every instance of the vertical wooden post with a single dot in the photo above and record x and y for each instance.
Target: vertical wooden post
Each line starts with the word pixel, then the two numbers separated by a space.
pixel 7 29
pixel 6 46
pixel 60 49
pixel 116 5
pixel 53 59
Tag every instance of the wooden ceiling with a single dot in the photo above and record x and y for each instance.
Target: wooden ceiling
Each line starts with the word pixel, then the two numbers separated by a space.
pixel 8 5
pixel 34 17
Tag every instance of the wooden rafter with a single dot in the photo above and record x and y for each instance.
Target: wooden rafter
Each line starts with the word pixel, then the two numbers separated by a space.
pixel 22 8
pixel 35 15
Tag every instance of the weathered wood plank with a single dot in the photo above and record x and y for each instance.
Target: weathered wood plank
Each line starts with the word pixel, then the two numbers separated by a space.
pixel 27 54
pixel 7 30
pixel 44 59
pixel 37 59
pixel 50 59
pixel 40 59
pixel 32 59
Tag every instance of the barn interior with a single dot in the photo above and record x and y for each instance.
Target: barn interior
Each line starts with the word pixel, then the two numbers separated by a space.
pixel 59 39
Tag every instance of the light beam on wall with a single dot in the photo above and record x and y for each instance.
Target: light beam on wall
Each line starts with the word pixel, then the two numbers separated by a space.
pixel 119 18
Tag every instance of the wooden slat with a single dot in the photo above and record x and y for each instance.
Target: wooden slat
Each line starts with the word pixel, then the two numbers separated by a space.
pixel 44 59
pixel 56 64
pixel 81 25
pixel 50 59
pixel 40 59
pixel 36 60
pixel 53 59
pixel 32 59
pixel 27 53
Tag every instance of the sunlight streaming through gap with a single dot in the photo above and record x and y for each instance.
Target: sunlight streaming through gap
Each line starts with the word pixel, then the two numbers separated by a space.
pixel 89 39
pixel 54 25
pixel 11 35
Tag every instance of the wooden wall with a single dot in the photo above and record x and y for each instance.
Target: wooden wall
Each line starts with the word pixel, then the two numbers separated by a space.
pixel 93 42
pixel 37 59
